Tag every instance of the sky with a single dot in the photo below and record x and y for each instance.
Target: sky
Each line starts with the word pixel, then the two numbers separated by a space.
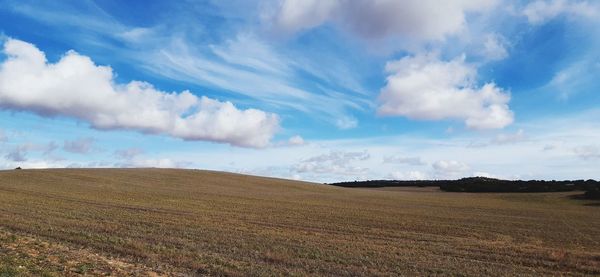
pixel 314 90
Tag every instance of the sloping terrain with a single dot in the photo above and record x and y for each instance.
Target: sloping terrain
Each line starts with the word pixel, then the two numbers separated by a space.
pixel 189 222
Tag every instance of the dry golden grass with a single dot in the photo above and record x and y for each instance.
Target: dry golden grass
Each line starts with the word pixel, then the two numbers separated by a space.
pixel 186 222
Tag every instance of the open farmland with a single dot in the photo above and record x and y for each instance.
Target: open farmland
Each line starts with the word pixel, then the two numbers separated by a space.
pixel 187 222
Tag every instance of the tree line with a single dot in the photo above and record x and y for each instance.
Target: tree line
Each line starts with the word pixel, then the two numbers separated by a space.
pixel 484 184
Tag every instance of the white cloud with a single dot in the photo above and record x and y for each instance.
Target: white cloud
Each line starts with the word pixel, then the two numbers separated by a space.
pixel 524 159
pixel 541 11
pixel 446 169
pixel 30 164
pixel 549 147
pixel 562 80
pixel 346 122
pixel 19 152
pixel 574 79
pixel 249 51
pixel 509 138
pixel 495 47
pixel 452 166
pixel 587 152
pixel 79 146
pixel 335 162
pixel 410 175
pixel 49 148
pixel 135 34
pixel 488 175
pixel 76 87
pixel 412 19
pixel 423 87
pixel 129 153
pixel 157 163
pixel 267 78
pixel 296 141
pixel 399 159
pixel 297 15
pixel 293 141
pixel 246 64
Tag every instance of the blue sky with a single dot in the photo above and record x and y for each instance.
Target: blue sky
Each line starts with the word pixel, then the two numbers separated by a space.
pixel 311 90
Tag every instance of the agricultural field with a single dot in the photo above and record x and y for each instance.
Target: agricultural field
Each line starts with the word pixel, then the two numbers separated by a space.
pixel 155 222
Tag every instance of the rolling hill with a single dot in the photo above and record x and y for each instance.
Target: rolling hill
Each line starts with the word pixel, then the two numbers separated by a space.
pixel 190 222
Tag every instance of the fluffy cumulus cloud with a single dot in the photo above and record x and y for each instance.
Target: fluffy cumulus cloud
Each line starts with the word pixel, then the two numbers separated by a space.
pixel 76 87
pixel 415 19
pixel 538 12
pixel 424 87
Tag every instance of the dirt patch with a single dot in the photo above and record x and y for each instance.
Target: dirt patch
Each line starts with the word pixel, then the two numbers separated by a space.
pixel 25 255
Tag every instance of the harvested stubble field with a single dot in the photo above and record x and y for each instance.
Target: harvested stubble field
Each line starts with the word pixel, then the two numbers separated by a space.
pixel 188 222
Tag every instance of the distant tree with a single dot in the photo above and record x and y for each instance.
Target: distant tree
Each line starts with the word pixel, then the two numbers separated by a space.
pixel 592 191
pixel 18 168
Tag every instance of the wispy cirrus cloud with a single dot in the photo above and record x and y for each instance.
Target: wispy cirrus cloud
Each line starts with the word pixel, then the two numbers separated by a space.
pixel 244 65
pixel 266 78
